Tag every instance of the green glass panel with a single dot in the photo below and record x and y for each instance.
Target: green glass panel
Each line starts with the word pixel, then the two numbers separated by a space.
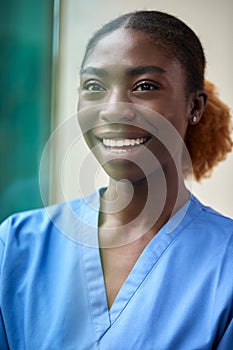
pixel 26 29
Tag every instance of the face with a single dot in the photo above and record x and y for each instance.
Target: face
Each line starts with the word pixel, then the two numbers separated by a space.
pixel 126 83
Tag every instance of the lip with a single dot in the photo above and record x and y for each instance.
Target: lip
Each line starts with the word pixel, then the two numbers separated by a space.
pixel 119 131
pixel 121 135
pixel 124 151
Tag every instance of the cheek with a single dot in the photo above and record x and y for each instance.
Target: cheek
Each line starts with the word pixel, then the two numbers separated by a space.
pixel 180 123
pixel 89 140
pixel 177 116
pixel 88 119
pixel 172 107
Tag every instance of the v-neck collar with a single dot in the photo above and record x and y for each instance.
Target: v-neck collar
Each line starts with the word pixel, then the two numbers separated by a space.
pixel 101 316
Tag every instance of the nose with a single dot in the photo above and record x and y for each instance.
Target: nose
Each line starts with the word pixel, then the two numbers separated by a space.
pixel 118 107
pixel 117 112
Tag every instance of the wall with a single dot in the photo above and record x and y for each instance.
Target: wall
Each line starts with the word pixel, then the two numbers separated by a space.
pixel 210 19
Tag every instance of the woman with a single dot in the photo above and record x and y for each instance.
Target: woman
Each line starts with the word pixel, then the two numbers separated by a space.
pixel 148 266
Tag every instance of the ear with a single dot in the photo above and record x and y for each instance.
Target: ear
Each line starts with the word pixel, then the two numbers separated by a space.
pixel 197 104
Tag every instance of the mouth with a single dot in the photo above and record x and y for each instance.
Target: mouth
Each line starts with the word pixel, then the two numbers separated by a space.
pixel 124 145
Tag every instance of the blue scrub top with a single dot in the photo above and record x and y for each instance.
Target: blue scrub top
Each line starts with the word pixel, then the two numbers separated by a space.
pixel 178 296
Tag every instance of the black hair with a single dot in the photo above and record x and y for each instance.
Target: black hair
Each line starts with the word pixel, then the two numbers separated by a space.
pixel 167 31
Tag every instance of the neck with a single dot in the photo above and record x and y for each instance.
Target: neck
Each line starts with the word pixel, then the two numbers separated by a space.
pixel 130 210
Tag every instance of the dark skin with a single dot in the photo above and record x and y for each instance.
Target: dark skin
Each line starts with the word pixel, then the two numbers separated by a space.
pixel 134 71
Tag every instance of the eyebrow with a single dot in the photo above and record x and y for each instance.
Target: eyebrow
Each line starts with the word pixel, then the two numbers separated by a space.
pixel 144 69
pixel 131 71
pixel 93 70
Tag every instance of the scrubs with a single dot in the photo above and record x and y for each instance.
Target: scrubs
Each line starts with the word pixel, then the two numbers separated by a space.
pixel 178 295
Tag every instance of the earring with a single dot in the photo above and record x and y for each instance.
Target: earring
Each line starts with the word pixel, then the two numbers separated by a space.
pixel 194 119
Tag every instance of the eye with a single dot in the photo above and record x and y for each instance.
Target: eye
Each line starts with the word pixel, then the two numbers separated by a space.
pixel 93 86
pixel 146 85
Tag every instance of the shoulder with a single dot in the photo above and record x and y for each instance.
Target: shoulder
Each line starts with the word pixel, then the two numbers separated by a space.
pixel 211 219
pixel 210 232
pixel 39 220
pixel 40 242
pixel 56 225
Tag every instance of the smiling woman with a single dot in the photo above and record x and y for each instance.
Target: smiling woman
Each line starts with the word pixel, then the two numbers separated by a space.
pixel 140 264
pixel 140 75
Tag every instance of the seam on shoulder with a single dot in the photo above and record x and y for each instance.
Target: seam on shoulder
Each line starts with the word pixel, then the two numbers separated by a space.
pixel 210 210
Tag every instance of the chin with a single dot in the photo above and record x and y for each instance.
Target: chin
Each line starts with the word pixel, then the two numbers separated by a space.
pixel 119 170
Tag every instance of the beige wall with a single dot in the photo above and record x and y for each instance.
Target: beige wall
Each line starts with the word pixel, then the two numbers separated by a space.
pixel 210 19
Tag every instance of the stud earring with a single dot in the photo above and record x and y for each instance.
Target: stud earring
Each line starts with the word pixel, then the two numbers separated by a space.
pixel 194 119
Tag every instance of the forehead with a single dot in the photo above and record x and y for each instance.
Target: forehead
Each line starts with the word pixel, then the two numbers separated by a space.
pixel 129 47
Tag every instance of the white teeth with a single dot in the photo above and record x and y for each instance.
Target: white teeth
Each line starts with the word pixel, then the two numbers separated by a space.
pixel 123 142
pixel 120 143
pixel 127 142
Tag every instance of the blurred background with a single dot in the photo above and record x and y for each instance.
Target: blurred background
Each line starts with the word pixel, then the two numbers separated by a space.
pixel 26 41
pixel 42 45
